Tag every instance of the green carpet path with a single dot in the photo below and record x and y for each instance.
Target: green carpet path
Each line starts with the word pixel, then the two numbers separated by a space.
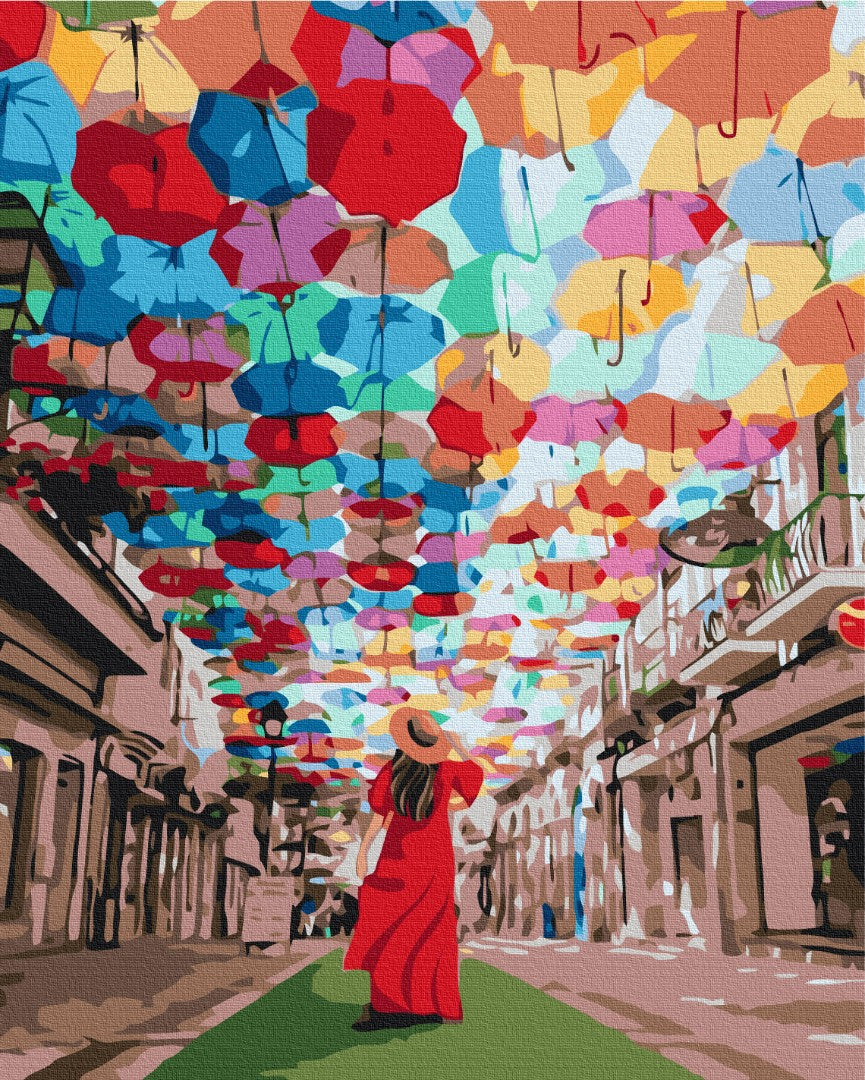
pixel 302 1030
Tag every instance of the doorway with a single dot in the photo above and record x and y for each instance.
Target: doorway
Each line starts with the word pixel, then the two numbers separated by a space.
pixel 689 860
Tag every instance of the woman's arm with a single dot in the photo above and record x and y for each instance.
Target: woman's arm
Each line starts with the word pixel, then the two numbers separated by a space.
pixel 378 822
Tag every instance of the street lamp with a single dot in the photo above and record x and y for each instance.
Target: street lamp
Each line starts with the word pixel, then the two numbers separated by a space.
pixel 22 238
pixel 272 720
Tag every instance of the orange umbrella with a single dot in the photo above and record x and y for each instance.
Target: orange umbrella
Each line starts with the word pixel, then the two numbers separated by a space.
pixel 632 495
pixel 416 260
pixel 567 576
pixel 534 522
pixel 739 65
pixel 219 43
pixel 828 329
pixel 660 423
pixel 544 33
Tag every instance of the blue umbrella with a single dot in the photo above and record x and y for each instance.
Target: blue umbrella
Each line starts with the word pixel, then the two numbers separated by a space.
pixel 38 123
pixel 778 199
pixel 411 337
pixel 249 149
pixel 90 311
pixel 259 698
pixel 170 282
pixel 392 21
pixel 283 380
pixel 232 514
pixel 263 582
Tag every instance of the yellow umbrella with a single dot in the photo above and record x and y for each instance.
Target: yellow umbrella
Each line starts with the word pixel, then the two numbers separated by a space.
pixel 793 274
pixel 786 389
pixel 569 107
pixel 604 298
pixel 148 73
pixel 75 58
pixel 527 373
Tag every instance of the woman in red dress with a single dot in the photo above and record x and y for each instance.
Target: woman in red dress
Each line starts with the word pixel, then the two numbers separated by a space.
pixel 406 934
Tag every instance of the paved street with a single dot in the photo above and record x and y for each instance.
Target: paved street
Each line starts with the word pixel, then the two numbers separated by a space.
pixel 723 1018
pixel 119 1013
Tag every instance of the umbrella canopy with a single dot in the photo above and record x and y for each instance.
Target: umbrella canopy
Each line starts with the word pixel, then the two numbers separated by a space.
pixel 146 184
pixel 630 494
pixel 252 150
pixel 829 328
pixel 370 148
pixel 739 446
pixel 726 70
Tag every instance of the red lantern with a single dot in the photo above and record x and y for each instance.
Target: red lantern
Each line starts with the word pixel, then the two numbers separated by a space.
pixel 849 622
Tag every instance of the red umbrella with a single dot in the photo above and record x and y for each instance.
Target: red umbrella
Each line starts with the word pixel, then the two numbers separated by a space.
pixel 252 554
pixel 295 440
pixel 371 148
pixel 20 32
pixel 174 581
pixel 164 473
pixel 146 184
pixel 382 574
pixel 480 417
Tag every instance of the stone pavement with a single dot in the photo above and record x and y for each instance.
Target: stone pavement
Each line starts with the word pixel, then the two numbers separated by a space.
pixel 116 1014
pixel 722 1017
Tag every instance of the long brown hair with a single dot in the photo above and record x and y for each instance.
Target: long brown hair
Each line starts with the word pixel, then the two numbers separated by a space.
pixel 412 782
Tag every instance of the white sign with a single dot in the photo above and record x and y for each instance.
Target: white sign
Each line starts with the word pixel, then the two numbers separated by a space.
pixel 268 907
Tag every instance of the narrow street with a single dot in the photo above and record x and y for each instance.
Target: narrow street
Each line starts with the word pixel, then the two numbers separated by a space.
pixel 207 1010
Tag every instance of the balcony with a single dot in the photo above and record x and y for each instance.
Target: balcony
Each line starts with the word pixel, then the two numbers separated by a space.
pixel 722 625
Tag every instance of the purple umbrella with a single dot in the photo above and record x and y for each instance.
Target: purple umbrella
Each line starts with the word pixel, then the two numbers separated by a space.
pixel 259 245
pixel 561 422
pixel 739 446
pixel 431 60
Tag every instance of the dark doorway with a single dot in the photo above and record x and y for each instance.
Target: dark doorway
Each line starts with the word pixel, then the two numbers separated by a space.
pixel 690 866
pixel 107 902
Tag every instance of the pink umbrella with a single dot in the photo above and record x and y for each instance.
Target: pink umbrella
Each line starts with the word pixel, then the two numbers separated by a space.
pixel 379 619
pixel 739 446
pixel 561 422
pixel 657 224
pixel 268 248
pixel 387 695
pixel 506 715
pixel 315 566
pixel 491 623
pixel 622 562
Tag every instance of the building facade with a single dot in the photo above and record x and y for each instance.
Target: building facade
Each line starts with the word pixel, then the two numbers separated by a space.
pixel 108 827
pixel 725 808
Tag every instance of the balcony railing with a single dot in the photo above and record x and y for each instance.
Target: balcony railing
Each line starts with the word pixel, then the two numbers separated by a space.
pixel 718 627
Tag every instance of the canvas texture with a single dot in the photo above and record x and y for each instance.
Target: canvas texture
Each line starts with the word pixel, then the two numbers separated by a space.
pixel 432 607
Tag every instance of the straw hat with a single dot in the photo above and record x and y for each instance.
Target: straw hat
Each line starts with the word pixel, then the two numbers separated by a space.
pixel 417 734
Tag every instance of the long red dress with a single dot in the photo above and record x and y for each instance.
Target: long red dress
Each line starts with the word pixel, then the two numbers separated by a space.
pixel 406 934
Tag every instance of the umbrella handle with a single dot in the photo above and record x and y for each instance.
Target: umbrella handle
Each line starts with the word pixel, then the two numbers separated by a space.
pixel 560 131
pixel 651 250
pixel 621 297
pixel 732 134
pixel 581 47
